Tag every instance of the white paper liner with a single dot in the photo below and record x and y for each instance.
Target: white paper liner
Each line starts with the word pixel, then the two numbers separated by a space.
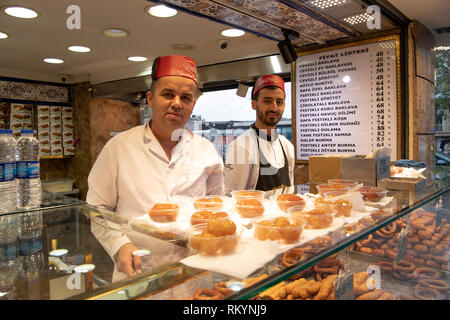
pixel 254 254
pixel 410 173
pixel 380 204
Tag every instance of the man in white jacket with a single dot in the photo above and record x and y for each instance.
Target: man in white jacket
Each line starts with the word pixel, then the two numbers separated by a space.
pixel 159 161
pixel 260 158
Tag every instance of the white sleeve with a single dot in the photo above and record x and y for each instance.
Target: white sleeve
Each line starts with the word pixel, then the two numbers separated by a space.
pixel 237 168
pixel 102 181
pixel 102 193
pixel 290 154
pixel 214 183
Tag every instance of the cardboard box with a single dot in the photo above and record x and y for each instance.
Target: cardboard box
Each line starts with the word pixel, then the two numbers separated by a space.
pixel 323 168
pixel 403 184
pixel 367 171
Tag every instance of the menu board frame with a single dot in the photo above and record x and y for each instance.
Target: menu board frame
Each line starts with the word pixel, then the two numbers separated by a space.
pixel 295 107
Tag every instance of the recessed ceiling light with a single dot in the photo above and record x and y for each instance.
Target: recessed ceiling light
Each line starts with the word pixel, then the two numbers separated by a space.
pixel 161 11
pixel 53 60
pixel 359 18
pixel 324 4
pixel 78 49
pixel 84 268
pixel 20 12
pixel 346 79
pixel 3 35
pixel 58 252
pixel 141 253
pixel 137 58
pixel 232 33
pixel 115 32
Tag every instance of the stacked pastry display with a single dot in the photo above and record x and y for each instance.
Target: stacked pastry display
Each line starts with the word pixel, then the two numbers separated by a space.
pixel 428 245
pixel 300 225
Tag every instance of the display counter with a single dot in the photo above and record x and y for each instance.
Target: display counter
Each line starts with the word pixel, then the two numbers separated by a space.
pixel 401 245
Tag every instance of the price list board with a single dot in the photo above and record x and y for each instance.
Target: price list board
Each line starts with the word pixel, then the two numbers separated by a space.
pixel 346 99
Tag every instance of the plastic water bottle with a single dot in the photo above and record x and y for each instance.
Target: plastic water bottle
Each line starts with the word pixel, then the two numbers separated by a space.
pixel 30 244
pixel 9 252
pixel 8 183
pixel 29 193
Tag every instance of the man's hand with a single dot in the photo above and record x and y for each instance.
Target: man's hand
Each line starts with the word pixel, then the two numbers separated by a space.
pixel 127 262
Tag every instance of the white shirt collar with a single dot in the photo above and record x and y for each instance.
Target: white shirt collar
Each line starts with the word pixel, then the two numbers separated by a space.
pixel 155 147
pixel 186 135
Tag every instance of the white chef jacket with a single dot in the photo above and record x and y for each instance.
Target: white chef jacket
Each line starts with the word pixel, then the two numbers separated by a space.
pixel 133 172
pixel 242 161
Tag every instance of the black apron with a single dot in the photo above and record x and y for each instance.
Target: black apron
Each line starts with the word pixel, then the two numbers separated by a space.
pixel 269 177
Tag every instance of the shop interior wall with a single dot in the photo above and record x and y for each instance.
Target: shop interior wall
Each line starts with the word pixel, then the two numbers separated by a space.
pixel 109 116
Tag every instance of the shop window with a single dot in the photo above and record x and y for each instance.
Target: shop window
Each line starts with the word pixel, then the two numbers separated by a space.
pixel 220 116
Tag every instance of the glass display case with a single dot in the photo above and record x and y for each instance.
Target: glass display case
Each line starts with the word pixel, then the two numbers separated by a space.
pixel 399 249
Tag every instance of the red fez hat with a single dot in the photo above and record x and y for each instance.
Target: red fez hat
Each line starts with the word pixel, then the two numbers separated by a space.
pixel 175 65
pixel 268 80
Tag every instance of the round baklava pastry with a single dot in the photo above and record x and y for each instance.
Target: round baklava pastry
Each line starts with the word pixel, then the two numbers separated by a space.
pixel 247 194
pixel 203 216
pixel 216 237
pixel 278 229
pixel 320 217
pixel 208 203
pixel 285 201
pixel 343 208
pixel 249 208
pixel 374 194
pixel 164 212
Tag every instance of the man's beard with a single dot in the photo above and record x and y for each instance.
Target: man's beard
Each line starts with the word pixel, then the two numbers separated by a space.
pixel 268 121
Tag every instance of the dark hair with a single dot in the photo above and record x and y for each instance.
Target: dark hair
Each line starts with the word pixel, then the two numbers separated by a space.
pixel 154 72
pixel 257 94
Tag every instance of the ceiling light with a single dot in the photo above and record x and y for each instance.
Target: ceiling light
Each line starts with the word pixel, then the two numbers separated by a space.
pixel 232 33
pixel 137 58
pixel 346 79
pixel 236 286
pixel 161 11
pixel 275 64
pixel 324 4
pixel 441 48
pixel 141 253
pixel 79 49
pixel 3 35
pixel 84 268
pixel 115 33
pixel 58 252
pixel 53 60
pixel 20 12
pixel 359 18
